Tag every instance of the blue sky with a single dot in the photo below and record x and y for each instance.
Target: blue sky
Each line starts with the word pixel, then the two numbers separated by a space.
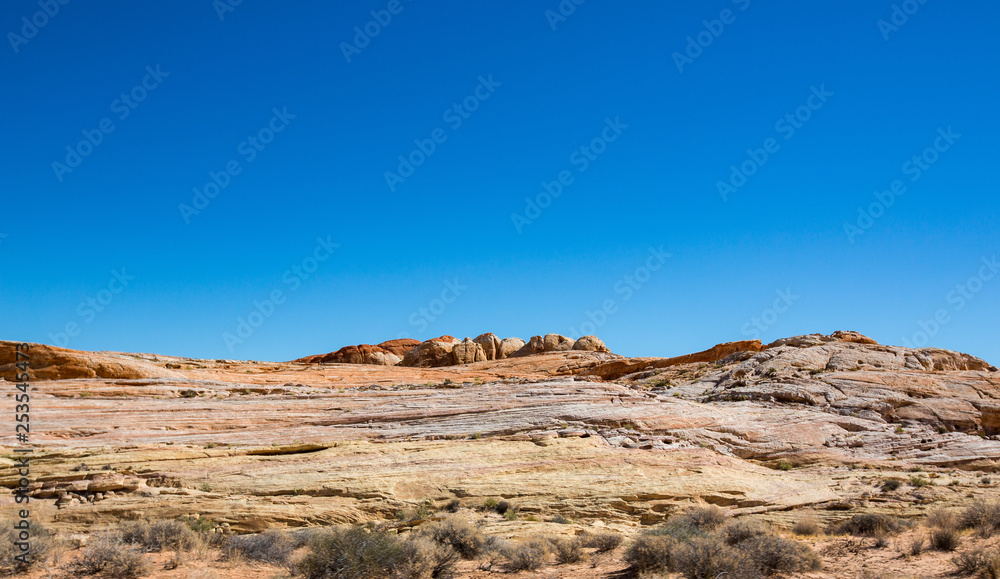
pixel 714 158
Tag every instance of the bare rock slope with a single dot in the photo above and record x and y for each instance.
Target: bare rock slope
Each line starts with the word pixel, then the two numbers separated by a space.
pixel 806 424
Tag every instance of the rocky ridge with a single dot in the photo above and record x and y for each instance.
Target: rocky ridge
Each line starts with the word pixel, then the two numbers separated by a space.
pixel 805 424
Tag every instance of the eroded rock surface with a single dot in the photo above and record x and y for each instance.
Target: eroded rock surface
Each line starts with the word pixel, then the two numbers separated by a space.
pixel 252 443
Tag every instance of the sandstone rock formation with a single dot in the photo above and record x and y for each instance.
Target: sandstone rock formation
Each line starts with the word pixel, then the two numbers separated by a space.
pixel 508 346
pixel 491 345
pixel 590 344
pixel 52 363
pixel 547 343
pixel 254 444
pixel 467 352
pixel 432 353
pixel 387 353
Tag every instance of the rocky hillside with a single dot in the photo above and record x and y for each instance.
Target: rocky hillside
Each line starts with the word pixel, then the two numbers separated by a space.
pixel 450 351
pixel 806 425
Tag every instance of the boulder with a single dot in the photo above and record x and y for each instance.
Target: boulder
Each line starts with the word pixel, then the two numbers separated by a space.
pixel 52 363
pixel 534 346
pixel 490 344
pixel 590 344
pixel 431 353
pixel 385 354
pixel 854 337
pixel 467 352
pixel 556 343
pixel 508 346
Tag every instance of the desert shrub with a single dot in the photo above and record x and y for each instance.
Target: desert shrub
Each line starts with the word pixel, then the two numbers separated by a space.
pixel 109 555
pixel 942 519
pixel 710 557
pixel 603 542
pixel 159 535
pixel 917 545
pixel 568 550
pixel 302 537
pixel 40 545
pixel 492 552
pixel 351 553
pixel 806 526
pixel 456 533
pixel 868 525
pixel 739 531
pixel 891 484
pixel 175 561
pixel 501 507
pixel 270 547
pixel 453 506
pixel 702 518
pixel 984 517
pixel 510 515
pixel 422 558
pixel 651 552
pixel 772 554
pixel 199 524
pixel 945 538
pixel 529 555
pixel 978 562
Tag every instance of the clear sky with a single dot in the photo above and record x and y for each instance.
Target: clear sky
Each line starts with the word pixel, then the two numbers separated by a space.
pixel 267 181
